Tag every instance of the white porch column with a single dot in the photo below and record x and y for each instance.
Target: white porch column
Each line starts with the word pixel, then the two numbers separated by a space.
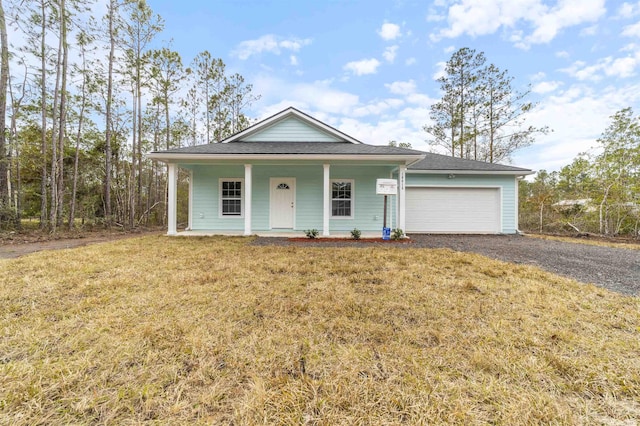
pixel 247 199
pixel 190 225
pixel 326 200
pixel 516 219
pixel 172 199
pixel 402 171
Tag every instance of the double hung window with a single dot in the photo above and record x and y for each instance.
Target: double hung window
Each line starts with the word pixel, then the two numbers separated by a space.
pixel 342 198
pixel 231 197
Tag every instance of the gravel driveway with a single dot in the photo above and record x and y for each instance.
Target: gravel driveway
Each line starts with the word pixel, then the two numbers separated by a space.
pixel 612 268
pixel 616 269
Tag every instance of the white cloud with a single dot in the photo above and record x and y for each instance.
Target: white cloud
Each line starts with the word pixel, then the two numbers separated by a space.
pixel 420 99
pixel 440 70
pixel 410 61
pixel 622 67
pixel 580 71
pixel 562 54
pixel 401 87
pixel 417 117
pixel 545 86
pixel 363 67
pixel 268 43
pixel 589 31
pixel 482 17
pixel 389 31
pixel 377 107
pixel 382 131
pixel 293 60
pixel 317 98
pixel 294 45
pixel 566 14
pixel 538 76
pixel 628 10
pixel 632 30
pixel 449 50
pixel 389 53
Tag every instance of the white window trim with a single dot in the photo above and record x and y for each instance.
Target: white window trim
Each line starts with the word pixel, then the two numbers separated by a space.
pixel 353 198
pixel 228 216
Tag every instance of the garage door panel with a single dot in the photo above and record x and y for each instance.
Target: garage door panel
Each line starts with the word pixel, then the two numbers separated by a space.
pixel 453 210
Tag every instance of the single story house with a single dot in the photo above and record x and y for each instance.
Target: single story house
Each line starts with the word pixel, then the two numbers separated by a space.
pixel 291 172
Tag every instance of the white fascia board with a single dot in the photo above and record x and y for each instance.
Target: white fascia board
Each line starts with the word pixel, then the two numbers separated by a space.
pixel 284 114
pixel 414 162
pixel 174 158
pixel 472 172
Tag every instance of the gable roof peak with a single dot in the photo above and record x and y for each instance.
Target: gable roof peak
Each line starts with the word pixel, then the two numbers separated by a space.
pixel 288 113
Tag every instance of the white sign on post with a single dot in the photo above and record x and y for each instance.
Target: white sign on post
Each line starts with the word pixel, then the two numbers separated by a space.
pixel 386 187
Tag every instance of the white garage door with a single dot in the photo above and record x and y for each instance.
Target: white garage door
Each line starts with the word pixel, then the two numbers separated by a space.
pixel 453 210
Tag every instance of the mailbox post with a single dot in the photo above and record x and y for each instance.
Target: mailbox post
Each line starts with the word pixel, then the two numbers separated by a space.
pixel 386 187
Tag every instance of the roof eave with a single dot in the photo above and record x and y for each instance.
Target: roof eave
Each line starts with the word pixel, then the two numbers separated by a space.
pixel 473 172
pixel 175 157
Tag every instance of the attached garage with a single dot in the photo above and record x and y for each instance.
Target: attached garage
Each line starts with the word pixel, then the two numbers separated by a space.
pixel 453 210
pixel 458 196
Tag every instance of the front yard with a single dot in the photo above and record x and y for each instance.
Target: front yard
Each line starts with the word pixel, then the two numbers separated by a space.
pixel 213 330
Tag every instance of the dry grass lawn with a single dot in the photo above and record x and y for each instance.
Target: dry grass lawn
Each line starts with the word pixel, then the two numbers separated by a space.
pixel 213 330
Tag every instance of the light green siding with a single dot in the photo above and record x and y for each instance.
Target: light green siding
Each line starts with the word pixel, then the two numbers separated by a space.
pixel 368 207
pixel 507 184
pixel 291 130
pixel 206 200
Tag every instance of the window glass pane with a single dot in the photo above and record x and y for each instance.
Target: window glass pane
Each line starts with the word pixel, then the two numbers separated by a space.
pixel 231 197
pixel 341 190
pixel 341 208
pixel 231 189
pixel 231 207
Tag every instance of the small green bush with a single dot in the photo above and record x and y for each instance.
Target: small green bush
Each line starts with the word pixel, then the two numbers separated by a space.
pixel 356 234
pixel 397 233
pixel 311 233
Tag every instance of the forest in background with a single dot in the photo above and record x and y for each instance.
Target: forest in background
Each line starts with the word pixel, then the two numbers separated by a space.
pixel 83 99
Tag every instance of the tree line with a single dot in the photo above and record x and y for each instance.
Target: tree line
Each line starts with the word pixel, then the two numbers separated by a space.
pixel 599 192
pixel 83 99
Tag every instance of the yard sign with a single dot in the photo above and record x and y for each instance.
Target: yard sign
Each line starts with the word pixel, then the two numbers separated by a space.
pixel 386 187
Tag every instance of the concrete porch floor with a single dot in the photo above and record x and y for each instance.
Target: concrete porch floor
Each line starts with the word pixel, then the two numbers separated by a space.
pixel 279 234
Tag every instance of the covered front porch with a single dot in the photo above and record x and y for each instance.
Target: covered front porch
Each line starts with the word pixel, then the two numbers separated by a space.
pixel 250 198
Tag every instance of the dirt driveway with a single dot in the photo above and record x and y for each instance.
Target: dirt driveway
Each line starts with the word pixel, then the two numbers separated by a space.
pixel 13 250
pixel 616 269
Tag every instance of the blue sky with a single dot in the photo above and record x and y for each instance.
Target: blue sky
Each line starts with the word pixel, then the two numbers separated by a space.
pixel 369 67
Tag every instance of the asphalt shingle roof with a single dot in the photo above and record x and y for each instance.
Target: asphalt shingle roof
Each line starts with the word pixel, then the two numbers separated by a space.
pixel 292 148
pixel 445 162
pixel 432 161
